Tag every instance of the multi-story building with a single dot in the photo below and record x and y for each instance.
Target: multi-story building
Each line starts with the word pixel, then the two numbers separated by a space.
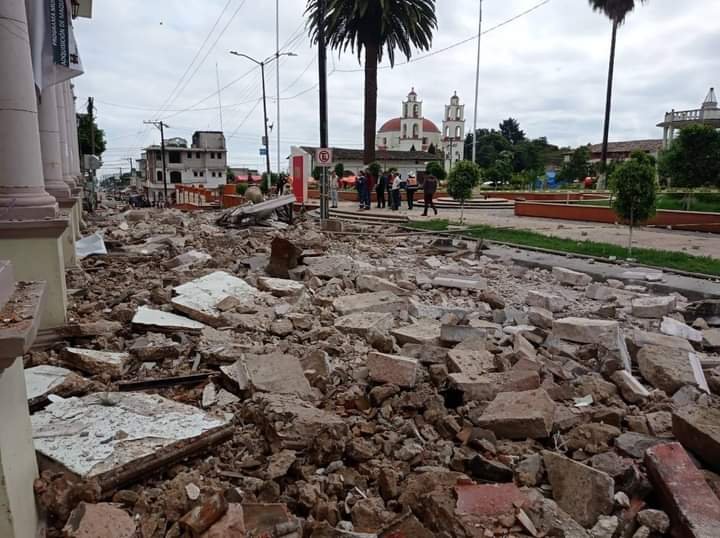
pixel 204 163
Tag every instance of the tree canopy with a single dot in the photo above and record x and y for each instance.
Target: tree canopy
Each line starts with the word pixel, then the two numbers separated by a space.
pixel 615 10
pixel 577 167
pixel 693 159
pixel 84 129
pixel 436 169
pixel 463 178
pixel 510 129
pixel 635 191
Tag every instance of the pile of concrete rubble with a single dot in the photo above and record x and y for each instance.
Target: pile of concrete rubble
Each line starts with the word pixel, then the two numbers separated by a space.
pixel 227 383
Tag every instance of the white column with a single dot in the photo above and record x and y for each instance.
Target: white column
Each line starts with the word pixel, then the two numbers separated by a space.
pixel 50 144
pixel 73 134
pixel 22 188
pixel 64 137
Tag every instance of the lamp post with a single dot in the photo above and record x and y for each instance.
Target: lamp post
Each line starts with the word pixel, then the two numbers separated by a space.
pixel 266 139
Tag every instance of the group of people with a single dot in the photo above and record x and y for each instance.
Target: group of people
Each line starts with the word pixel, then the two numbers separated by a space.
pixel 388 189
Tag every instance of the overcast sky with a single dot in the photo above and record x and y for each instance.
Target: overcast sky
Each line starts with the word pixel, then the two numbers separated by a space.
pixel 548 69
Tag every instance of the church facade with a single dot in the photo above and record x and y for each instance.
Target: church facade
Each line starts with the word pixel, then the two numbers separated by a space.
pixel 413 131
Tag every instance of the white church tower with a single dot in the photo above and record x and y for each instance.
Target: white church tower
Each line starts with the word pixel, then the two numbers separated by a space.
pixel 453 132
pixel 411 124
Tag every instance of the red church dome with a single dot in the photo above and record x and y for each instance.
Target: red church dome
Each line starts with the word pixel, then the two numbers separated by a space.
pixel 393 125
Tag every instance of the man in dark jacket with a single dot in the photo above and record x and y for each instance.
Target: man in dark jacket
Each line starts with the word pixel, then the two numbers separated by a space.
pixel 380 189
pixel 429 189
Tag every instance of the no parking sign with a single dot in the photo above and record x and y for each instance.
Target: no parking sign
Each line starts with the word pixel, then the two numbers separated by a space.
pixel 324 157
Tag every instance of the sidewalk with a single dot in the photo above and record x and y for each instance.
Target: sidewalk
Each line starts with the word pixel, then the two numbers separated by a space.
pixel 693 243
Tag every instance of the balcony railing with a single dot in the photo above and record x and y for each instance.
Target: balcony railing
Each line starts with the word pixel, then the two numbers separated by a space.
pixel 692 115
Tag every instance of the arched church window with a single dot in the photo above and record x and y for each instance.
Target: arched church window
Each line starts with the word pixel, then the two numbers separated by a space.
pixel 416 131
pixel 404 131
pixel 416 110
pixel 447 132
pixel 457 132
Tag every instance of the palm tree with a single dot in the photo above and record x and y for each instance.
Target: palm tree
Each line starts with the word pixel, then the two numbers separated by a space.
pixel 375 27
pixel 617 11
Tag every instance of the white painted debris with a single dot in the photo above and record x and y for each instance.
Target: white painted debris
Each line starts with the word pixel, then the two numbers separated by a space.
pixel 188 259
pixel 281 287
pixel 199 298
pixel 100 432
pixel 159 320
pixel 42 380
pixel 92 244
pixel 673 327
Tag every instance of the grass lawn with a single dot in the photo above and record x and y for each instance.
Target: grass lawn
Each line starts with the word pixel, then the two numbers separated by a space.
pixel 709 204
pixel 656 258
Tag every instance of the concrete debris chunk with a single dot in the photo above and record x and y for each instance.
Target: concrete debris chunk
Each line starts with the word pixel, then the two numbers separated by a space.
pixel 600 292
pixel 361 323
pixel 327 267
pixel 653 307
pixel 460 282
pixel 586 331
pixel 487 386
pixel 44 380
pixel 631 389
pixel 693 508
pixel 547 301
pixel 280 287
pixel 673 327
pixel 381 301
pixel 569 277
pixel 456 334
pixel 199 298
pixel 400 371
pixel 157 320
pixel 425 331
pixel 103 520
pixel 96 362
pixel 284 256
pixel 101 435
pixel 643 338
pixel 519 415
pixel 698 429
pixel 540 317
pixel 583 492
pixel 471 362
pixel 275 373
pixel 375 283
pixel 669 369
pixel 711 338
pixel 188 259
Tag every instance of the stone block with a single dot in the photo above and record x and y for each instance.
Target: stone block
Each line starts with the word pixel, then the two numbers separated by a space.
pixel 600 292
pixel 487 386
pixel 380 301
pixel 635 444
pixel 653 307
pixel 276 373
pixel 569 277
pixel 430 311
pixel 472 362
pixel 520 415
pixel 698 429
pixel 673 327
pixel 455 334
pixel 425 331
pixel 670 369
pixel 284 256
pixel 375 283
pixel 280 287
pixel 548 301
pixel 631 389
pixel 586 331
pixel 693 508
pixel 96 362
pixel 400 371
pixel 644 338
pixel 362 323
pixel 711 338
pixel 540 317
pixel 103 520
pixel 583 492
pixel 489 500
pixel 327 267
pixel 460 282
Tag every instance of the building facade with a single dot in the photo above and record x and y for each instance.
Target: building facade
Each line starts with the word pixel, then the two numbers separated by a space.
pixel 453 132
pixel 707 114
pixel 204 162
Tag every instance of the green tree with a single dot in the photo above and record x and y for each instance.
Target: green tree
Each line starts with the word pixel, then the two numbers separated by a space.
pixel 84 130
pixel 489 144
pixel 436 169
pixel 617 11
pixel 693 159
pixel 377 28
pixel 578 167
pixel 510 129
pixel 340 170
pixel 635 193
pixel 375 168
pixel 463 178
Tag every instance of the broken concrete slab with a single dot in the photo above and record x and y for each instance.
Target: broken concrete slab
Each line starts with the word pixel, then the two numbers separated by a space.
pixel 366 282
pixel 693 508
pixel 460 282
pixel 380 301
pixel 586 331
pixel 643 338
pixel 280 287
pixel 487 386
pixel 630 387
pixel 456 334
pixel 471 362
pixel 159 321
pixel 96 362
pixel 673 327
pixel 600 292
pixel 490 500
pixel 327 267
pixel 635 444
pixel 519 415
pixel 569 277
pixel 116 437
pixel 711 338
pixel 540 317
pixel 698 429
pixel 284 256
pixel 44 380
pixel 653 307
pixel 400 371
pixel 154 347
pixel 547 301
pixel 275 373
pixel 361 323
pixel 583 492
pixel 199 298
pixel 670 369
pixel 188 259
pixel 102 520
pixel 425 331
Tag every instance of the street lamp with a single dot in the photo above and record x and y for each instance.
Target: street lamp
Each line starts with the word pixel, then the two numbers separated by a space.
pixel 266 139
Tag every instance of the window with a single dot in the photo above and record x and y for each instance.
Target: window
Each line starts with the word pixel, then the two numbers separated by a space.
pixel 197 155
pixel 189 154
pixel 384 141
pixel 447 132
pixel 202 174
pixel 174 157
pixel 416 110
pixel 175 176
pixel 195 173
pixel 159 176
pixel 416 131
pixel 405 131
pixel 457 114
pixel 457 132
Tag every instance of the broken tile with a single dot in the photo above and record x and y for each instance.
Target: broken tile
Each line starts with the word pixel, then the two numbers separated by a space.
pixel 199 298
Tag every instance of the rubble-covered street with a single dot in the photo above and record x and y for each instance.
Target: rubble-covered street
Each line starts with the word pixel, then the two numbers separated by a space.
pixel 285 382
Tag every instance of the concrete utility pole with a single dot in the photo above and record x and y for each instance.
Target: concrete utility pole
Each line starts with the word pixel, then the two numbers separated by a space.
pixel 477 85
pixel 322 75
pixel 266 139
pixel 277 79
pixel 160 125
pixel 93 193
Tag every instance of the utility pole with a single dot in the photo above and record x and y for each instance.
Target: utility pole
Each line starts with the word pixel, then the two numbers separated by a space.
pixel 477 85
pixel 322 75
pixel 90 110
pixel 161 125
pixel 217 79
pixel 277 79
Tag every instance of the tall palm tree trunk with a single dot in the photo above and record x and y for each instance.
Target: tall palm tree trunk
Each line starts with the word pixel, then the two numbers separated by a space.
pixel 371 77
pixel 608 106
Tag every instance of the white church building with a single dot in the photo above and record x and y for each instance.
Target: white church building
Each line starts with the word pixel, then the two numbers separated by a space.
pixel 413 131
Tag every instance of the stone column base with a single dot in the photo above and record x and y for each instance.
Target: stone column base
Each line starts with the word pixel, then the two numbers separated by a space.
pixel 36 251
pixel 18 465
pixel 69 210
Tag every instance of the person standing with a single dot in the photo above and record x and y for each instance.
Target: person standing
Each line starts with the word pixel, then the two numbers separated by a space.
pixel 361 185
pixel 333 190
pixel 396 192
pixel 371 182
pixel 380 189
pixel 429 188
pixel 410 188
